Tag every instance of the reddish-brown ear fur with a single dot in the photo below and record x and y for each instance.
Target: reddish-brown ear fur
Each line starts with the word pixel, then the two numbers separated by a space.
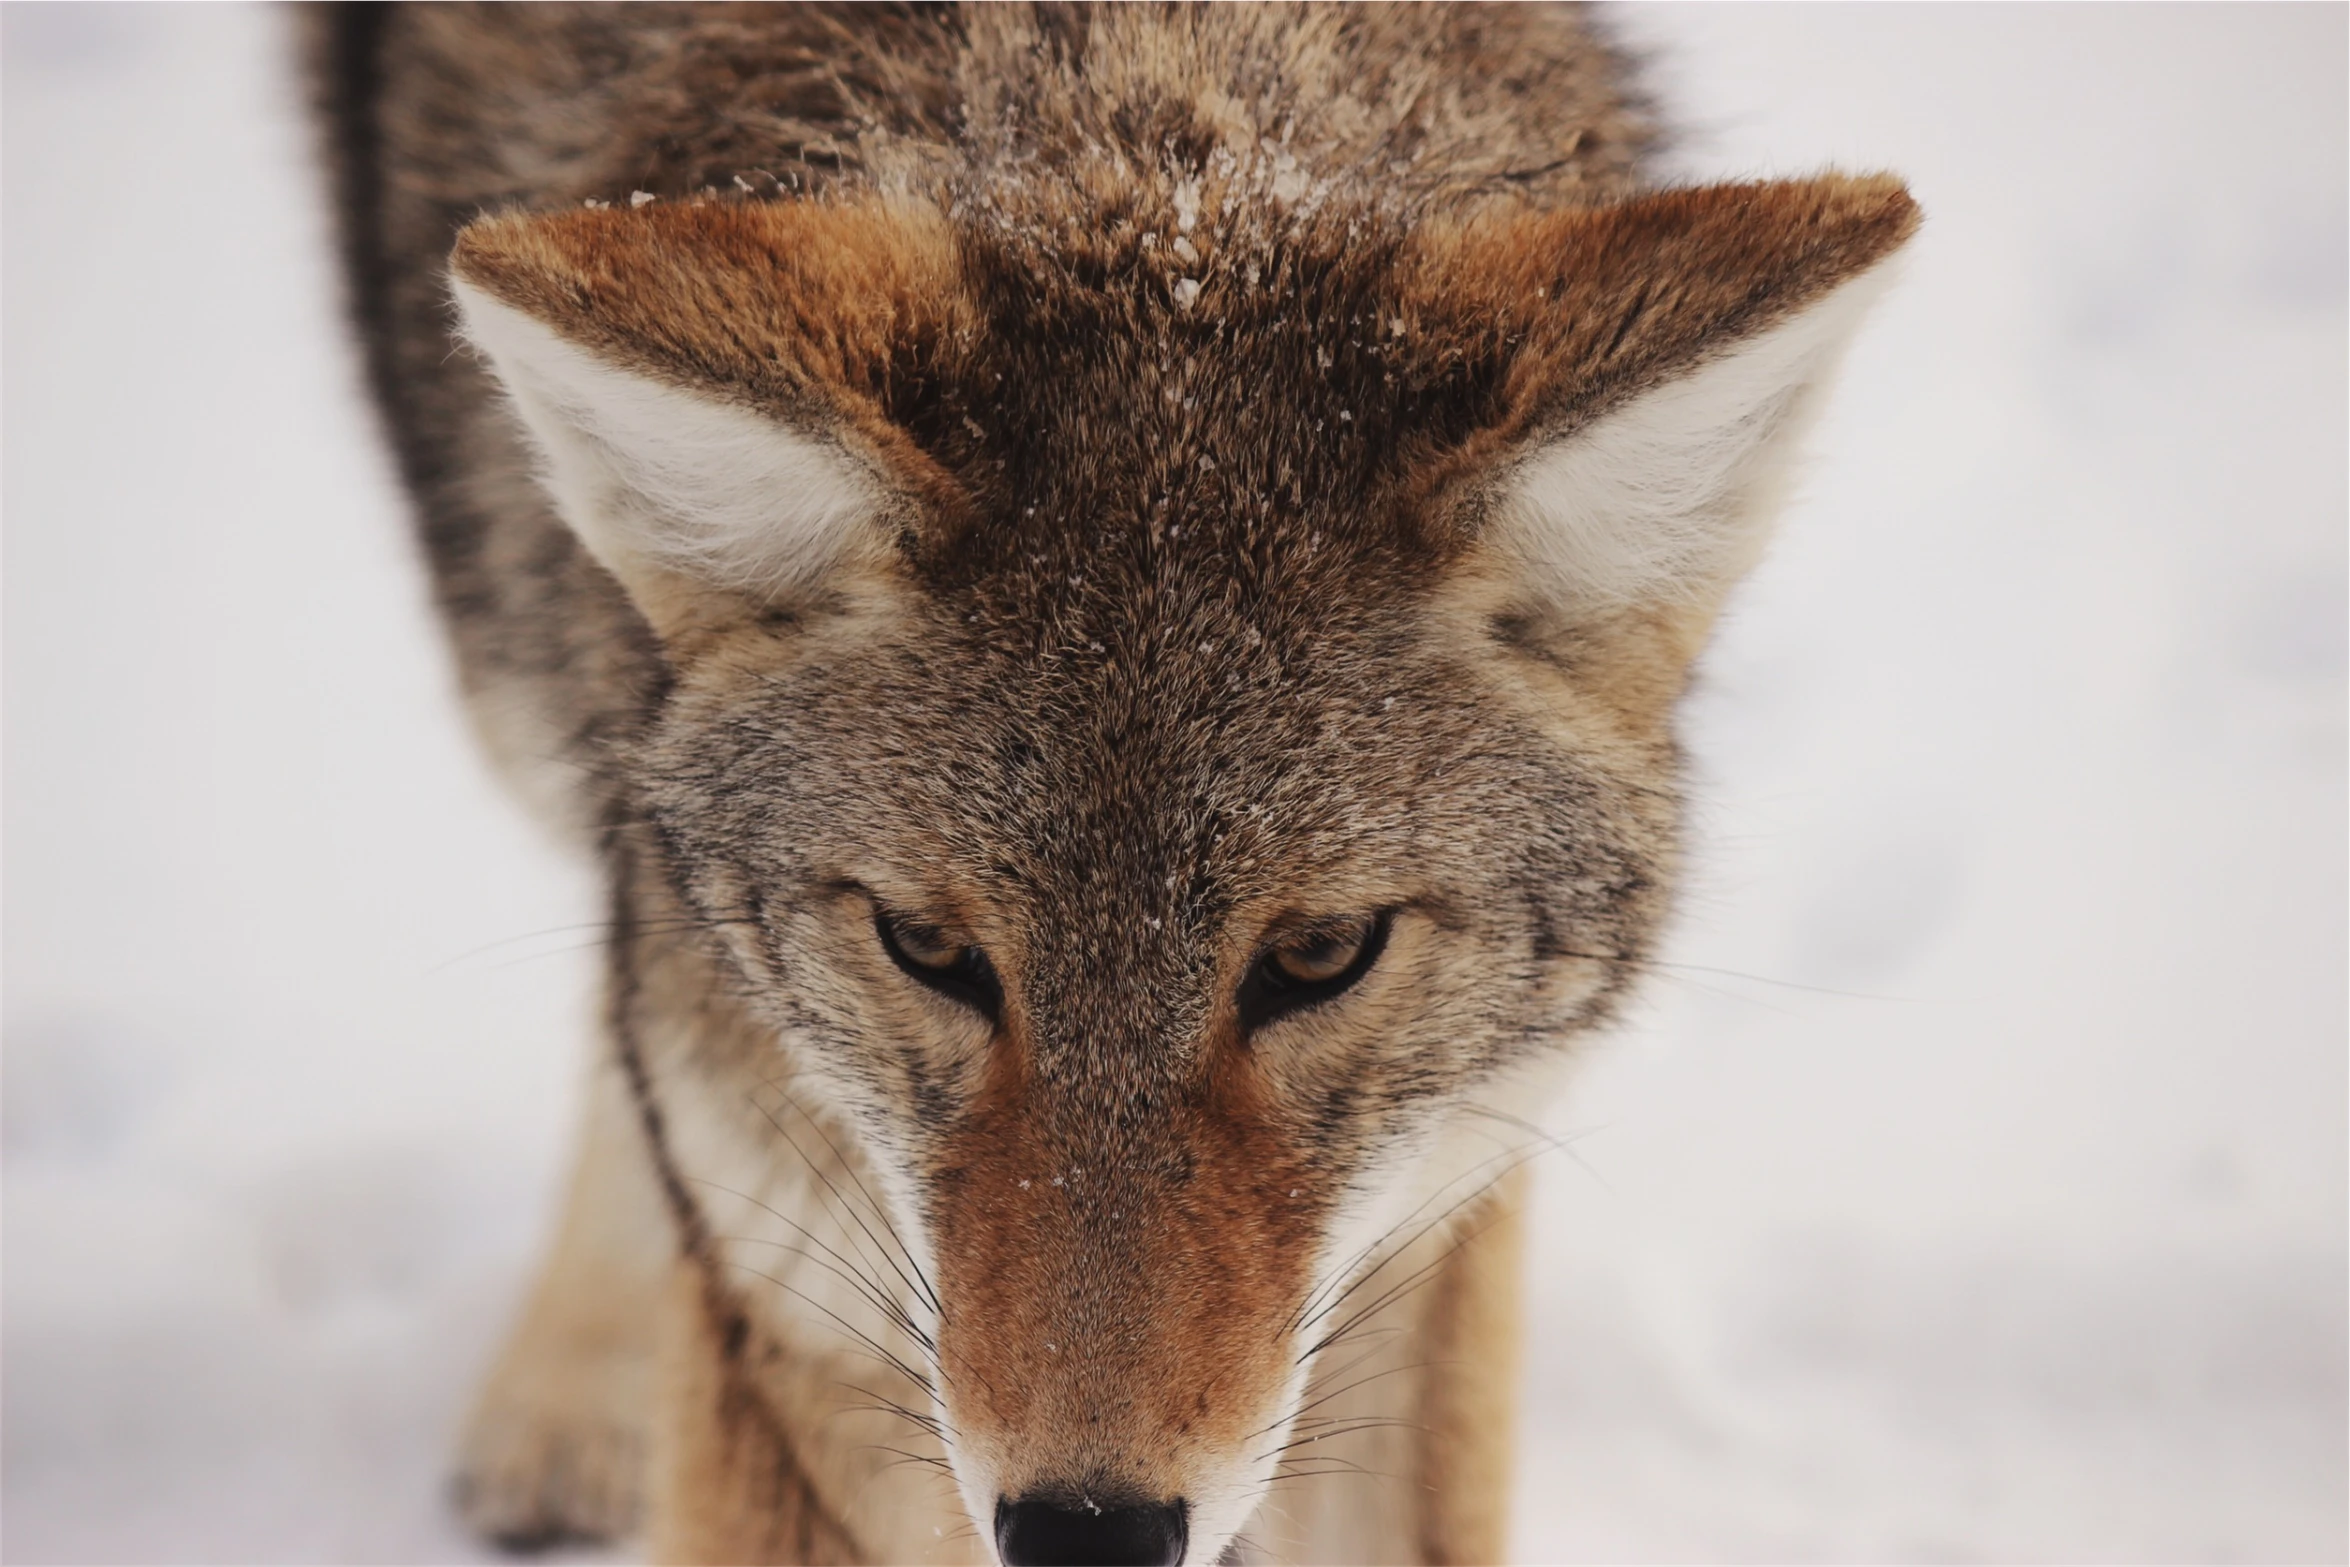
pixel 819 312
pixel 1604 302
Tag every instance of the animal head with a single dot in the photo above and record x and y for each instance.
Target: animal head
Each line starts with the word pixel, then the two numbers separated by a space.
pixel 1166 715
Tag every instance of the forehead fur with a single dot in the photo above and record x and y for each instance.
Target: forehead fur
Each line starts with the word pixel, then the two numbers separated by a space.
pixel 1063 385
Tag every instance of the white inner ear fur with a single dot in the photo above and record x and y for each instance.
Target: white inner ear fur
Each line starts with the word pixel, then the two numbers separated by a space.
pixel 1671 495
pixel 651 475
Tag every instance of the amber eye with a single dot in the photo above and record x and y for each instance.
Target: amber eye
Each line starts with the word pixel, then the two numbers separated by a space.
pixel 1311 967
pixel 926 948
pixel 953 969
pixel 1323 956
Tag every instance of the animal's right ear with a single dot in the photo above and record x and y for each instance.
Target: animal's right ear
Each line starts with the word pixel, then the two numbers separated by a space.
pixel 701 382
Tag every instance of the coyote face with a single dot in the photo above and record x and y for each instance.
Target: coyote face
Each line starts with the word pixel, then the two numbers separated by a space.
pixel 1108 585
pixel 1159 754
pixel 1153 928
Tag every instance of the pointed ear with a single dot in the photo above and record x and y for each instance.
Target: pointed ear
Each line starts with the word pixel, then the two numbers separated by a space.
pixel 1668 350
pixel 703 383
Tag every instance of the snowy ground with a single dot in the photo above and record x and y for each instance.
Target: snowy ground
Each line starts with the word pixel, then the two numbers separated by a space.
pixel 1975 1192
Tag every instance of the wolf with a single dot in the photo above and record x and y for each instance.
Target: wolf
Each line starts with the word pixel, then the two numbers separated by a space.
pixel 1107 587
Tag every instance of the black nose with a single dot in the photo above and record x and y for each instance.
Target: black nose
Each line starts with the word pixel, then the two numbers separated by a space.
pixel 1037 1533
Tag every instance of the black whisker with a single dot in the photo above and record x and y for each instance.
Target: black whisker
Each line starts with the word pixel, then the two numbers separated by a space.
pixel 1510 1159
pixel 1322 1377
pixel 1340 1274
pixel 1417 1278
pixel 903 1457
pixel 920 1281
pixel 930 1423
pixel 1345 1428
pixel 896 1308
pixel 864 1283
pixel 1419 1365
pixel 841 1324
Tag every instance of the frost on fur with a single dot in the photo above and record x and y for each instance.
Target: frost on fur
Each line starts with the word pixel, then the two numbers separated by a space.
pixel 1671 494
pixel 653 476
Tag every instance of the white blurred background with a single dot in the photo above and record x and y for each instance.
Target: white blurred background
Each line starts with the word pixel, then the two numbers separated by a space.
pixel 1974 1190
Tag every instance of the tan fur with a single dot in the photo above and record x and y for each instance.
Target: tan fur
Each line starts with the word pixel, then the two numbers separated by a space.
pixel 1161 400
pixel 728 1480
pixel 556 1442
pixel 1471 1331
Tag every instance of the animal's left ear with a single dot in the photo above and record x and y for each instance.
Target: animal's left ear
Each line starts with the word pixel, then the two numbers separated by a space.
pixel 1661 357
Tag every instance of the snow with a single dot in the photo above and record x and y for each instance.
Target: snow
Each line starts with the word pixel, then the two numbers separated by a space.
pixel 1973 1188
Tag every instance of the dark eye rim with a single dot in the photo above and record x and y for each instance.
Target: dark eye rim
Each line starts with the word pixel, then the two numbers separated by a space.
pixel 1268 994
pixel 970 980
